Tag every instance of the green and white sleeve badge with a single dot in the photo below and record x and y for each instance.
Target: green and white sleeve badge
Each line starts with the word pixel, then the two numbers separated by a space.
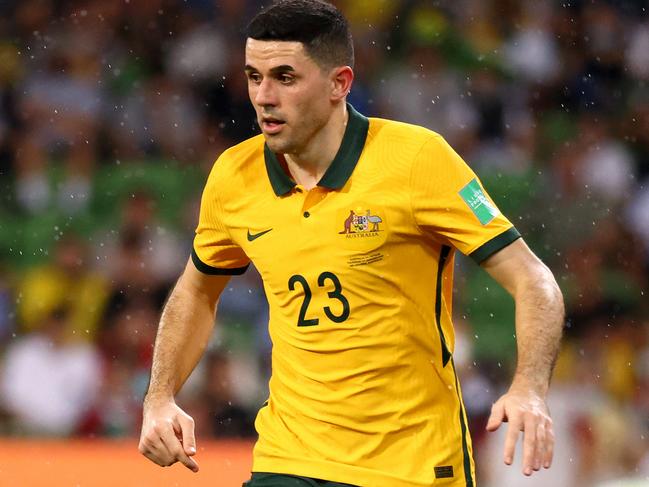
pixel 478 202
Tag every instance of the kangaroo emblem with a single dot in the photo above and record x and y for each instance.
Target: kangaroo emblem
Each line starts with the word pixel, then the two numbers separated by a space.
pixel 348 222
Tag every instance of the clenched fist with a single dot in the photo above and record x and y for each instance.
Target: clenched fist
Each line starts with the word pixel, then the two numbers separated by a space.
pixel 167 434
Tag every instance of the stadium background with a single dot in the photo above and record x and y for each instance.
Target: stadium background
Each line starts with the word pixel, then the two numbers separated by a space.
pixel 112 112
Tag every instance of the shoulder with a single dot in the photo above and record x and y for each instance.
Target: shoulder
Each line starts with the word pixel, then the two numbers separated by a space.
pixel 409 146
pixel 383 128
pixel 409 138
pixel 237 161
pixel 241 154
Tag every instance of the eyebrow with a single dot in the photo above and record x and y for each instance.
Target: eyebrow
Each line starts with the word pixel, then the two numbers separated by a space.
pixel 284 68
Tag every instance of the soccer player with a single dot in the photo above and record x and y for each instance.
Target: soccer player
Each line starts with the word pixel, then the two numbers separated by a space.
pixel 353 224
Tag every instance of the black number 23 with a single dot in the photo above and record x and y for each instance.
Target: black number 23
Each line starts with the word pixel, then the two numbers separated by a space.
pixel 335 294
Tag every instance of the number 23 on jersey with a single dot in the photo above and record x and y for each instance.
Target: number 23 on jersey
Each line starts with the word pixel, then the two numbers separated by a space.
pixel 324 281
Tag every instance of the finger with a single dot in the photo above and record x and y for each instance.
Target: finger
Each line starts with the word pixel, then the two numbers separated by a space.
pixel 549 445
pixel 541 439
pixel 511 439
pixel 152 446
pixel 157 452
pixel 175 447
pixel 186 424
pixel 529 443
pixel 496 417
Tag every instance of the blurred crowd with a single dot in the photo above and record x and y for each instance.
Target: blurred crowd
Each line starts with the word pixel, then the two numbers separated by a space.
pixel 111 114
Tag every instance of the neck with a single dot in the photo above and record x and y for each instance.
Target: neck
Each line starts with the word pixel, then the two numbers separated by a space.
pixel 308 166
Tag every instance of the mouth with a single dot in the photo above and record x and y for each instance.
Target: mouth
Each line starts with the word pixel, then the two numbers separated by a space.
pixel 272 125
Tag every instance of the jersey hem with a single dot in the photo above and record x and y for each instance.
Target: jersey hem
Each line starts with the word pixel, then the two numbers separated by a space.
pixel 346 474
pixel 216 271
pixel 497 243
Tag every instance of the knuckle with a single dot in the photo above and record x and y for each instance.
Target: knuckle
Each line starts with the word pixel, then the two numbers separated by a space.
pixel 150 439
pixel 147 442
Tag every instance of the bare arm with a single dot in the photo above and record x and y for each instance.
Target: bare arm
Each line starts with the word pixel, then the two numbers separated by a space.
pixel 185 327
pixel 539 325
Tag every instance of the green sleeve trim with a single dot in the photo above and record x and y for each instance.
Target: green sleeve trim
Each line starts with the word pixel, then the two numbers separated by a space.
pixel 489 248
pixel 216 271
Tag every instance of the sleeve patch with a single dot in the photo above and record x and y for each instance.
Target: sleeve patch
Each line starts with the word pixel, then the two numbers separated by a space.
pixel 477 201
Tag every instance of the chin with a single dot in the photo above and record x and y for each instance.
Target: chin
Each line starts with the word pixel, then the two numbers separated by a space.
pixel 277 145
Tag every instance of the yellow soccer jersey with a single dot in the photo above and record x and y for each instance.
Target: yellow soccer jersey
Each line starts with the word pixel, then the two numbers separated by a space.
pixel 358 275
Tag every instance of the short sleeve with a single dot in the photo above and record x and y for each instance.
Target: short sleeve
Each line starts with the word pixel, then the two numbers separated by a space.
pixel 450 204
pixel 214 252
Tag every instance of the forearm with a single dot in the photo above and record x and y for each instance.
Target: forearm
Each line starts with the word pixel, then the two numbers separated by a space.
pixel 185 327
pixel 539 326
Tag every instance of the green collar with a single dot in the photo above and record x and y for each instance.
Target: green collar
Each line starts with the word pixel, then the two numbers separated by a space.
pixel 341 167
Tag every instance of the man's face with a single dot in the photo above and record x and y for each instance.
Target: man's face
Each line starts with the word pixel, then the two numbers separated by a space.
pixel 290 93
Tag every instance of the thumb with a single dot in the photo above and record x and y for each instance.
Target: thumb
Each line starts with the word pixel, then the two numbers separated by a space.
pixel 496 417
pixel 187 428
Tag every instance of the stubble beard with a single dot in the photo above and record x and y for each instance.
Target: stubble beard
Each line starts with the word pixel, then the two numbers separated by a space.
pixel 285 143
pixel 278 144
pixel 295 143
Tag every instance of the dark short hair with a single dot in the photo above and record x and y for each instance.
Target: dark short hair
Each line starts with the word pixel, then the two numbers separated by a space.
pixel 317 24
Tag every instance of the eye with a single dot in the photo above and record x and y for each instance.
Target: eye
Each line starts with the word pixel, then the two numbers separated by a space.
pixel 286 79
pixel 254 78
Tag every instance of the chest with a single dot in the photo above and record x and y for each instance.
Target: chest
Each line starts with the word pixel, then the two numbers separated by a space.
pixel 321 228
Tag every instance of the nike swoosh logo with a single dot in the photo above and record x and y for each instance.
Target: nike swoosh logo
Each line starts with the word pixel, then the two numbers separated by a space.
pixel 255 236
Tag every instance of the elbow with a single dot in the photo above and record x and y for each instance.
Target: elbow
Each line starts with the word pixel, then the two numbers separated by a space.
pixel 546 288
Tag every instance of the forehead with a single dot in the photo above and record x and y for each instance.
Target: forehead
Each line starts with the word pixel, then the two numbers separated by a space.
pixel 266 54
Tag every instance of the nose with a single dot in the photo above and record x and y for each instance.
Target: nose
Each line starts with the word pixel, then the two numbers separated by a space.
pixel 265 94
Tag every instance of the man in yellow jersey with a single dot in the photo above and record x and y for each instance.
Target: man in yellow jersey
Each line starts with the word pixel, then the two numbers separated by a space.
pixel 353 224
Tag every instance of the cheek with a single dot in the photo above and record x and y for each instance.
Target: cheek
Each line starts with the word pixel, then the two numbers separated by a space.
pixel 314 102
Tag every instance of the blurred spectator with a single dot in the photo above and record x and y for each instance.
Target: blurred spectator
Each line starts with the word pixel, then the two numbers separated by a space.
pixel 65 281
pixel 637 53
pixel 607 277
pixel 595 166
pixel 140 255
pixel 424 91
pixel 127 349
pixel 49 380
pixel 532 52
pixel 159 117
pixel 228 419
pixel 60 110
pixel 7 309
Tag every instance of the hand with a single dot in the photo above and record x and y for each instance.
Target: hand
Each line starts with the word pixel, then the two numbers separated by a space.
pixel 168 435
pixel 525 411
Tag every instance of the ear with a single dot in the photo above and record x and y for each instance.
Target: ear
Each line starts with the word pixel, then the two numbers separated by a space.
pixel 341 82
